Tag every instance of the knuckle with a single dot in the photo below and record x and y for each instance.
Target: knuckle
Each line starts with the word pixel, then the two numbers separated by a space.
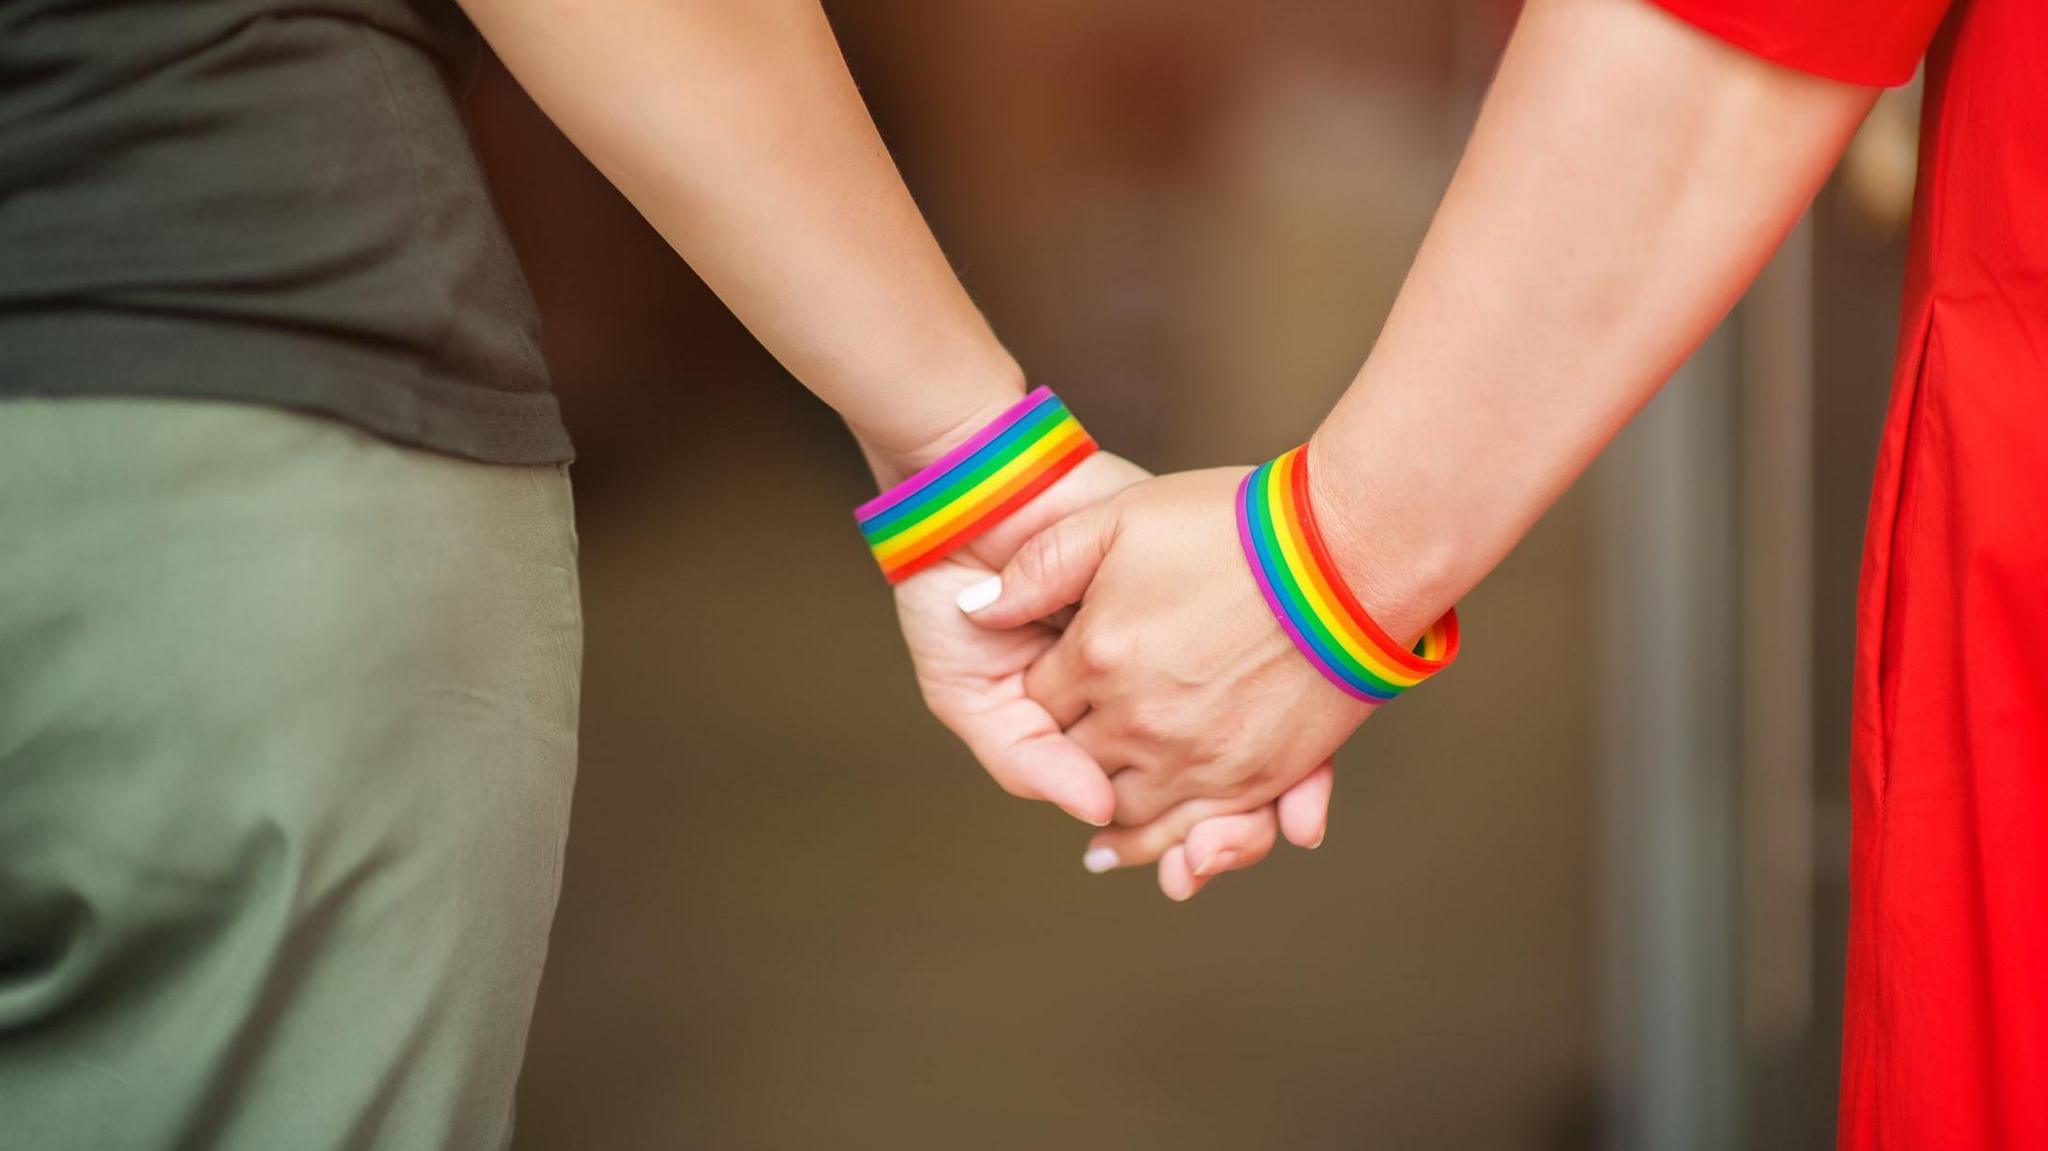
pixel 1040 560
pixel 1138 810
pixel 1101 651
pixel 1188 826
pixel 1151 726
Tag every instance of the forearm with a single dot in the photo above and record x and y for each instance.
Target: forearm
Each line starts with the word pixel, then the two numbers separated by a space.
pixel 735 128
pixel 1628 177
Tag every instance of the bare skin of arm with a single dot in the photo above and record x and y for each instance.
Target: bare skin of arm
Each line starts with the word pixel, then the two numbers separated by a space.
pixel 736 130
pixel 1628 178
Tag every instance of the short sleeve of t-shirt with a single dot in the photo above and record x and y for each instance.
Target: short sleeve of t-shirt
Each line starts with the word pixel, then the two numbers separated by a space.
pixel 1875 42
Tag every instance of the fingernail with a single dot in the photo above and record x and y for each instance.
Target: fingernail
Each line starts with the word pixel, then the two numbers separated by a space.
pixel 1100 859
pixel 1216 863
pixel 980 595
pixel 1318 842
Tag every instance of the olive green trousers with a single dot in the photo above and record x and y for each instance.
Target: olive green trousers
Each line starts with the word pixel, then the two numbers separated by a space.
pixel 287 736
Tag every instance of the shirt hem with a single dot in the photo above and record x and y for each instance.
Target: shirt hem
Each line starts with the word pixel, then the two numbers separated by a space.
pixel 383 392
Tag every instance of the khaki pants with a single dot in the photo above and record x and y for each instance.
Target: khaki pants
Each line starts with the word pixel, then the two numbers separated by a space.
pixel 287 735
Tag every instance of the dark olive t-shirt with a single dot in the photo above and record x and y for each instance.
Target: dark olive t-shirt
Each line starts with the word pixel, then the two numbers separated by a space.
pixel 269 201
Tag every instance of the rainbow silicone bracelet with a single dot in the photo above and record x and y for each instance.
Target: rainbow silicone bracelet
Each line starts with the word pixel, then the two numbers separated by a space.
pixel 973 487
pixel 1308 596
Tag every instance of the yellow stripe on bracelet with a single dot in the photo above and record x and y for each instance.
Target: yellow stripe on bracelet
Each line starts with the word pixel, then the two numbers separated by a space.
pixel 975 503
pixel 1307 594
pixel 975 486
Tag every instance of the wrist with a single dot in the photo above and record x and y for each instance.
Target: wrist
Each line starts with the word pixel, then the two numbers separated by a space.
pixel 977 485
pixel 922 431
pixel 1399 560
pixel 1364 649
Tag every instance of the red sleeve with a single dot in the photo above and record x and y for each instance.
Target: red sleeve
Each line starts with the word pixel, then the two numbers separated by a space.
pixel 1874 42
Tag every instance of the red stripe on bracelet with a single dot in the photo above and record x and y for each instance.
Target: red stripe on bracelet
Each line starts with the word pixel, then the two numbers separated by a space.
pixel 975 486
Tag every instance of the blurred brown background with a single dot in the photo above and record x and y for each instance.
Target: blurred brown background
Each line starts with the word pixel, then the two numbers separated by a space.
pixel 1585 892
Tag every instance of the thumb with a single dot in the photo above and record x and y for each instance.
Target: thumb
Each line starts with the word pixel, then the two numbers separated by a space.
pixel 1051 571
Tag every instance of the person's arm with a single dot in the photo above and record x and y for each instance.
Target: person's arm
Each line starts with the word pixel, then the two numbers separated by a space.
pixel 1628 176
pixel 735 128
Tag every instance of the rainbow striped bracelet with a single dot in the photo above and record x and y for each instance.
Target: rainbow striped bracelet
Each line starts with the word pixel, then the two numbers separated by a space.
pixel 1308 596
pixel 972 488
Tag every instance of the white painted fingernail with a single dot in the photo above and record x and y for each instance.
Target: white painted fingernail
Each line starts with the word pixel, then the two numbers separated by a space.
pixel 980 595
pixel 1100 859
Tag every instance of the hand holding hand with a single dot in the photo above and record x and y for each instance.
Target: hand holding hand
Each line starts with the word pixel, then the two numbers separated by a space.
pixel 972 678
pixel 1175 677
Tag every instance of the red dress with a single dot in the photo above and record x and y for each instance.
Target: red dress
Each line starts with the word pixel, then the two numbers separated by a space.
pixel 1946 1038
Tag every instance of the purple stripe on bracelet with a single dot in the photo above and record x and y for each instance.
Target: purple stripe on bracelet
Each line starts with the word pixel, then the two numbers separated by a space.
pixel 946 463
pixel 1251 552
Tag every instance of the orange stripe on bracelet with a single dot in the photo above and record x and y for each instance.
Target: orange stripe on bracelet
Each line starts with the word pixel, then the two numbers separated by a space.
pixel 1308 596
pixel 975 486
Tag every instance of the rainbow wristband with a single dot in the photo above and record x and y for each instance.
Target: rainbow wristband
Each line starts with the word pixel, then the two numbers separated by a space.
pixel 973 487
pixel 1308 596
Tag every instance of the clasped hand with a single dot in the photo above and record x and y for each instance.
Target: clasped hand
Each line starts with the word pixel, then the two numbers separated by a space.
pixel 1122 664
